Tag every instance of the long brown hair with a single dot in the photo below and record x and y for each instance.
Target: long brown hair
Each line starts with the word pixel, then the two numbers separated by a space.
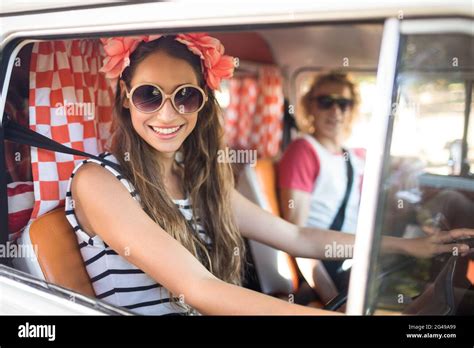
pixel 207 182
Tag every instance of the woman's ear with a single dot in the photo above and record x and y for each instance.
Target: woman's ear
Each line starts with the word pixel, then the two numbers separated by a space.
pixel 123 92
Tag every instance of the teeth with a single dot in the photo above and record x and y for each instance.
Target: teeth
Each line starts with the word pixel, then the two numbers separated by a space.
pixel 165 130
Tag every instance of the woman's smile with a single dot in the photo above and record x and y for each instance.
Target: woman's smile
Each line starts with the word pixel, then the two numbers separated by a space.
pixel 166 132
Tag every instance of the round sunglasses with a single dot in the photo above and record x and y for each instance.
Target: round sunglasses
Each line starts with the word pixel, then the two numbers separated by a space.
pixel 326 102
pixel 148 98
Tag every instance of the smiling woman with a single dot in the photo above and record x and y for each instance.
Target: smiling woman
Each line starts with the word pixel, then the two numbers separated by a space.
pixel 164 105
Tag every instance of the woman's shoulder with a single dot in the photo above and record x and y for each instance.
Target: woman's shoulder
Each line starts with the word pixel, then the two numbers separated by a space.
pixel 358 156
pixel 299 151
pixel 96 166
pixel 299 157
pixel 88 179
pixel 359 152
pixel 302 144
pixel 92 171
pixel 94 186
pixel 88 174
pixel 109 156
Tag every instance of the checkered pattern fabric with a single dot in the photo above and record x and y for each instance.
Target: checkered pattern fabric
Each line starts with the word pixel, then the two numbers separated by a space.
pixel 20 189
pixel 253 119
pixel 71 103
pixel 20 206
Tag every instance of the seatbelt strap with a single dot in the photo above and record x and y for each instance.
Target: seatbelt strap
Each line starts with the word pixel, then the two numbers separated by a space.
pixel 10 130
pixel 23 135
pixel 341 213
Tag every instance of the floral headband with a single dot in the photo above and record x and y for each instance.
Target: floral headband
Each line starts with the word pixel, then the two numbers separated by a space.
pixel 214 64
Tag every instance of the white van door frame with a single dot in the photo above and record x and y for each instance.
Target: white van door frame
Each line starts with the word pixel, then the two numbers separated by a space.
pixel 373 167
pixel 379 147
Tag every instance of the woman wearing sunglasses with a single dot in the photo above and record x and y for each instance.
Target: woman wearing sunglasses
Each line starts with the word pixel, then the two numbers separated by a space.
pixel 321 177
pixel 161 232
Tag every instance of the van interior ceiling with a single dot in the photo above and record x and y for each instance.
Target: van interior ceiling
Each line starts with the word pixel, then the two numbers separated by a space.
pixel 288 48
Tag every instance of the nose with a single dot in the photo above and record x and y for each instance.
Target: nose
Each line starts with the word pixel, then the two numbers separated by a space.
pixel 167 113
pixel 336 111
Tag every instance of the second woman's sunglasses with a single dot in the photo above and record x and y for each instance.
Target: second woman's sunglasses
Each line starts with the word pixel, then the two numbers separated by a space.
pixel 326 102
pixel 148 98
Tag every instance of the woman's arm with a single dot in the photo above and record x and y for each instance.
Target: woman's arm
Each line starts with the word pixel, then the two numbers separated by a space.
pixel 257 224
pixel 295 206
pixel 109 210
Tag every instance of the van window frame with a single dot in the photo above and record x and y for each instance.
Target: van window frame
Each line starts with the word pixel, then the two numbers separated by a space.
pixel 17 40
pixel 364 263
pixel 13 43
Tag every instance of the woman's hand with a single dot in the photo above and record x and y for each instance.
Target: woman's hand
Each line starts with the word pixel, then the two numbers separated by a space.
pixel 439 242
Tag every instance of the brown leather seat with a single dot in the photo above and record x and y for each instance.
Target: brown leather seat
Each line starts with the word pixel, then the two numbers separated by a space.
pixel 58 254
pixel 265 171
pixel 266 174
pixel 263 191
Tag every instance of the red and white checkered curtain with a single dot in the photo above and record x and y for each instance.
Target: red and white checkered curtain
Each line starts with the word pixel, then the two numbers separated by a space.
pixel 253 119
pixel 20 189
pixel 71 103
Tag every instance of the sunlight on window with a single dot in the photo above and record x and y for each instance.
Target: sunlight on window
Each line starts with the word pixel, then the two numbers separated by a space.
pixel 223 96
pixel 361 129
pixel 429 107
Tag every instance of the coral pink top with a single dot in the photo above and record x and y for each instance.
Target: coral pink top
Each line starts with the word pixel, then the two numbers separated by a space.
pixel 308 166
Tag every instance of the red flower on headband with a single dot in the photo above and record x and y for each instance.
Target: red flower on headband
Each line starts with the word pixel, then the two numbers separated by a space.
pixel 118 51
pixel 215 65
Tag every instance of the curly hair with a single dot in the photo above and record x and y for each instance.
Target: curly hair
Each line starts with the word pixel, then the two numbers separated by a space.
pixel 335 77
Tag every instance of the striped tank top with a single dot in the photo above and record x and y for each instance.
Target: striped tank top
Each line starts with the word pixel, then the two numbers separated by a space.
pixel 113 278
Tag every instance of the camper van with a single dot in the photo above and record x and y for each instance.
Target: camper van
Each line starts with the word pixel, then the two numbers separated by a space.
pixel 412 63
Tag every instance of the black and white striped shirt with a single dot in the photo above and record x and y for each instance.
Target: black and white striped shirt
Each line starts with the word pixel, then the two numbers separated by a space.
pixel 114 279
